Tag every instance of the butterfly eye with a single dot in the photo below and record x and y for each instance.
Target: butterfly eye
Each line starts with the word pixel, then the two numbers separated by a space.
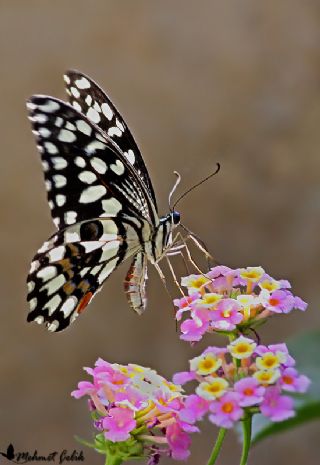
pixel 175 217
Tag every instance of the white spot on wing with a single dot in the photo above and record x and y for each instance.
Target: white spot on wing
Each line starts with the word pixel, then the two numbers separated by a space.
pixel 39 118
pixel 31 106
pixel 89 246
pixel 84 127
pixel 75 92
pixel 51 148
pixel 39 319
pixel 56 254
pixel 130 156
pixel 66 78
pixel 82 83
pixel 50 106
pixel 93 115
pixel 44 132
pixel 120 125
pixel 30 286
pixel 95 145
pixel 59 122
pixel 99 165
pixel 70 217
pixel 88 100
pixel 53 326
pixel 54 285
pixel 60 199
pixel 52 304
pixel 76 105
pixel 109 250
pixel 69 305
pixel 33 303
pixel 87 177
pixel 34 266
pixel 107 270
pixel 92 193
pixel 79 161
pixel 114 131
pixel 59 163
pixel 71 236
pixel 117 167
pixel 59 180
pixel 47 273
pixel 66 136
pixel 96 269
pixel 106 110
pixel 111 206
pixel 84 271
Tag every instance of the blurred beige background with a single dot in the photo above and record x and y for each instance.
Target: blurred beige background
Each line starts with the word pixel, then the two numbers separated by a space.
pixel 198 82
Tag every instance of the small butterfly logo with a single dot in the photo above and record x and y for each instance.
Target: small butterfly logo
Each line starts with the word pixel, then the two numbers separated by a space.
pixel 10 452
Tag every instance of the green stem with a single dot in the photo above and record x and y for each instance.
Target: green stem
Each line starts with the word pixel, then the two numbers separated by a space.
pixel 217 447
pixel 246 428
pixel 113 460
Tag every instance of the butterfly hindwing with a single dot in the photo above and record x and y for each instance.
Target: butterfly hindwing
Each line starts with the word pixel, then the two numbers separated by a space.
pixel 71 267
pixel 88 98
pixel 86 175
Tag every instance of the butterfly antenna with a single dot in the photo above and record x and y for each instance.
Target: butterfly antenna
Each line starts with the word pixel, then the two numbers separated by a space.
pixel 176 184
pixel 195 185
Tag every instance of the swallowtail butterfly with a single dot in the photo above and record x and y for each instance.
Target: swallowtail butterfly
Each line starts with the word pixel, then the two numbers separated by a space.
pixel 102 203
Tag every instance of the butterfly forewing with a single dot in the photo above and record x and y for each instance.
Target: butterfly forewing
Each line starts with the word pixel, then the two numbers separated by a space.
pixel 88 98
pixel 86 174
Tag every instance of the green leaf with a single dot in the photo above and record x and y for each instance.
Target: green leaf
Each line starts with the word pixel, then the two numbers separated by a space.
pixel 305 349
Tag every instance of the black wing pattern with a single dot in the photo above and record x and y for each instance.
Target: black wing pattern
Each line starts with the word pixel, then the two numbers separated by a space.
pixel 88 98
pixel 86 174
pixel 71 267
pixel 101 203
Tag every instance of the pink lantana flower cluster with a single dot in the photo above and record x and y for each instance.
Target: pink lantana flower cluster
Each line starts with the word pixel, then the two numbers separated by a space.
pixel 239 380
pixel 225 299
pixel 136 412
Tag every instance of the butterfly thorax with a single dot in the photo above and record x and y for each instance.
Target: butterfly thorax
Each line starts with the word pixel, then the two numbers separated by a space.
pixel 162 238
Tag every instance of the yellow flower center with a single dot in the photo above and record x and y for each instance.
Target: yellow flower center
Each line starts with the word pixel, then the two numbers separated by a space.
pixel 242 348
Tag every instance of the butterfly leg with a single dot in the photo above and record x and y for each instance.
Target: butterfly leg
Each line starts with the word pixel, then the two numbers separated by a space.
pixel 179 252
pixel 173 273
pixel 163 279
pixel 186 248
pixel 200 245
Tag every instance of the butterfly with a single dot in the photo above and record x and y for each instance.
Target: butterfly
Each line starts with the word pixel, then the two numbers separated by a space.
pixel 102 203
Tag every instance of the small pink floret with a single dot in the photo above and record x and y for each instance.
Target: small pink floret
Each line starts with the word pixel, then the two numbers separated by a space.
pixel 118 423
pixel 251 393
pixel 179 442
pixel 84 388
pixel 275 406
pixel 226 410
pixel 293 382
pixel 195 407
